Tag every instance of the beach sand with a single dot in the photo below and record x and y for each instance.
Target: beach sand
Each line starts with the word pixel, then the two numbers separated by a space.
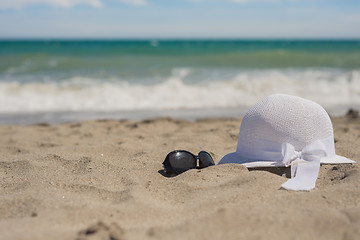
pixel 103 180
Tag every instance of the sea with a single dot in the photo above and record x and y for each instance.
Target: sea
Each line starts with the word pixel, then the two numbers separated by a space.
pixel 57 81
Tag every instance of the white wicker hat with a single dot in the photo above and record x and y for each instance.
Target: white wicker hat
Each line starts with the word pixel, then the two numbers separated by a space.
pixel 283 130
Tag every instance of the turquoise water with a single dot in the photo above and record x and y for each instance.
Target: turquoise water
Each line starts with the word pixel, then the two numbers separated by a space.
pixel 52 76
pixel 145 59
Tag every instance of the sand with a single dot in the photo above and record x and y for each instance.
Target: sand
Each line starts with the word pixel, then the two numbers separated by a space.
pixel 103 180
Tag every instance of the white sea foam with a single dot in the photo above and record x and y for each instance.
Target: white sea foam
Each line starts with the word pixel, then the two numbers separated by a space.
pixel 329 88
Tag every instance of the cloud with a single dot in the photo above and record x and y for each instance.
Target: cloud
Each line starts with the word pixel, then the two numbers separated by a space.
pixel 58 3
pixel 135 2
pixel 17 4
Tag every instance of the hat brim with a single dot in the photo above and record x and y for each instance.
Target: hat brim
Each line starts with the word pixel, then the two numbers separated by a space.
pixel 252 163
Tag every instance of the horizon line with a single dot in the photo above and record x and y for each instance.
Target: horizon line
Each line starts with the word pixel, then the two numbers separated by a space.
pixel 179 38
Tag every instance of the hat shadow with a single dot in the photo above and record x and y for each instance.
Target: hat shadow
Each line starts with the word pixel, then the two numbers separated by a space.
pixel 281 171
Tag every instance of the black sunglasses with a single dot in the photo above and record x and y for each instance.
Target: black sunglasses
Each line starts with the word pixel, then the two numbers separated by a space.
pixel 179 161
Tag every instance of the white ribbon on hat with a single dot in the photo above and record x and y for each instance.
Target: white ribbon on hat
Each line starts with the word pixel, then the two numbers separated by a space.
pixel 305 164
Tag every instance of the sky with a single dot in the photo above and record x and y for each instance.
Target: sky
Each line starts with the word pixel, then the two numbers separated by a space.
pixel 179 19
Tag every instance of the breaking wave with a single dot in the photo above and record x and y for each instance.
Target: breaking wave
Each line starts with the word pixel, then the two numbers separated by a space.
pixel 183 89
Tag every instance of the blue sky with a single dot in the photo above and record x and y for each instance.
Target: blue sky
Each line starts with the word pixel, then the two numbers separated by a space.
pixel 180 19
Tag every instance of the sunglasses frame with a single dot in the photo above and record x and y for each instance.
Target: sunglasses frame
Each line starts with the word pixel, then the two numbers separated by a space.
pixel 169 169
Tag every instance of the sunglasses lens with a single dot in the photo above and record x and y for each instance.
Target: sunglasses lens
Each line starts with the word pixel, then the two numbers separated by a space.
pixel 205 159
pixel 181 162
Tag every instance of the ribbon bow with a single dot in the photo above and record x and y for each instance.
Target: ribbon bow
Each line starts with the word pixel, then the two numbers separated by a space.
pixel 305 165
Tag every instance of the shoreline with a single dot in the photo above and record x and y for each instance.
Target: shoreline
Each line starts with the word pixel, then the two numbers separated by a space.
pixel 134 115
pixel 138 115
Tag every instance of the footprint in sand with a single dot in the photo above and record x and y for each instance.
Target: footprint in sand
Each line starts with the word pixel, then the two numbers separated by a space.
pixel 77 166
pixel 102 231
pixel 337 173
